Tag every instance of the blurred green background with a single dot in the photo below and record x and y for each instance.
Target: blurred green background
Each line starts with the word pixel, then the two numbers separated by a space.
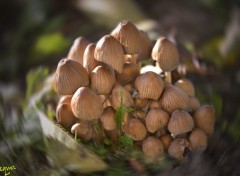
pixel 36 34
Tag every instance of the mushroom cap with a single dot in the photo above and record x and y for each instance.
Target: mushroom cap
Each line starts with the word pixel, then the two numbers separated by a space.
pixel 64 115
pixel 129 36
pixel 102 79
pixel 121 95
pixel 86 104
pixel 204 118
pixel 177 148
pixel 129 73
pixel 89 62
pixel 146 47
pixel 140 103
pixel 109 51
pixel 180 122
pixel 83 129
pixel 77 49
pixel 149 85
pixel 174 98
pixel 108 118
pixel 152 147
pixel 135 129
pixel 186 85
pixel 156 119
pixel 166 54
pixel 197 139
pixel 69 76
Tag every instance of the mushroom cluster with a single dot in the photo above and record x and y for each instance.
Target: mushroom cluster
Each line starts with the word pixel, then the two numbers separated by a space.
pixel 96 80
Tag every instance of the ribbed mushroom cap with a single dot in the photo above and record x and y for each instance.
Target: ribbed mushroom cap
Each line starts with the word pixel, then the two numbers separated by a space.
pixel 129 73
pixel 146 47
pixel 174 98
pixel 109 51
pixel 204 118
pixel 86 104
pixel 89 62
pixel 152 147
pixel 108 118
pixel 135 129
pixel 129 36
pixel 77 49
pixel 180 122
pixel 64 115
pixel 177 148
pixel 197 139
pixel 83 130
pixel 166 141
pixel 156 119
pixel 149 85
pixel 186 85
pixel 69 76
pixel 121 95
pixel 154 104
pixel 102 79
pixel 166 54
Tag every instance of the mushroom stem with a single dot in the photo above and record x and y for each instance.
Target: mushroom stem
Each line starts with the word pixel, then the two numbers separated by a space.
pixel 168 77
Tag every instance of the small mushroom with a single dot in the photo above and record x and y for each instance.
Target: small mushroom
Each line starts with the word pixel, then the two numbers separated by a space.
pixel 177 148
pixel 109 51
pixel 180 122
pixel 77 49
pixel 166 54
pixel 140 103
pixel 204 118
pixel 129 37
pixel 69 76
pixel 156 119
pixel 186 85
pixel 135 129
pixel 120 96
pixel 197 139
pixel 86 104
pixel 152 147
pixel 83 130
pixel 174 98
pixel 89 62
pixel 146 47
pixel 64 115
pixel 102 79
pixel 149 85
pixel 108 118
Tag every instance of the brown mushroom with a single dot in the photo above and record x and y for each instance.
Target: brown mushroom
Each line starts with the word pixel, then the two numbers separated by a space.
pixel 197 139
pixel 156 119
pixel 186 85
pixel 89 62
pixel 129 37
pixel 135 129
pixel 177 148
pixel 109 51
pixel 77 49
pixel 82 130
pixel 152 147
pixel 120 96
pixel 102 79
pixel 204 118
pixel 108 118
pixel 149 85
pixel 69 76
pixel 180 122
pixel 86 104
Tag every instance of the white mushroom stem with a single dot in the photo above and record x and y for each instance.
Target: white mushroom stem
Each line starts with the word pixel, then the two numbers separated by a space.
pixel 168 77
